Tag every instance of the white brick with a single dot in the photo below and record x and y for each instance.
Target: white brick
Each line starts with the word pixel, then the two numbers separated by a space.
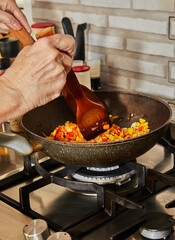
pixel 172 28
pixel 166 91
pixel 172 72
pixel 98 20
pixel 60 1
pixel 139 24
pixel 50 14
pixel 93 55
pixel 115 80
pixel 136 65
pixel 159 5
pixel 155 48
pixel 106 41
pixel 108 3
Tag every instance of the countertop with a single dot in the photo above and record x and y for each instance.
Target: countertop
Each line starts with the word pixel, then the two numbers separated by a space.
pixel 12 223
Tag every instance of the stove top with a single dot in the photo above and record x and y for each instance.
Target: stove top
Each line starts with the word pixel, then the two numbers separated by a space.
pixel 46 189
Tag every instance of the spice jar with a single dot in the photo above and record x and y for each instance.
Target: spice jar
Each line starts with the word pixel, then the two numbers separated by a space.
pixel 4 64
pixel 83 75
pixel 37 27
pixel 77 63
pixel 95 66
pixel 9 48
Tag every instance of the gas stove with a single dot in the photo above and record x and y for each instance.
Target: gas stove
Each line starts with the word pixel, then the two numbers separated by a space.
pixel 131 201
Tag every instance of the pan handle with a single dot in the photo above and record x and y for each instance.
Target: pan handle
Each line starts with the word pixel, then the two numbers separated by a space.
pixel 17 143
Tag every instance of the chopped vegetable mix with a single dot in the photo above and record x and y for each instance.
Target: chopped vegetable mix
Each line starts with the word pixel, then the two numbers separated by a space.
pixel 71 133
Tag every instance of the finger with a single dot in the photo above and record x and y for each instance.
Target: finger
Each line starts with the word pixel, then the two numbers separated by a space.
pixel 65 60
pixel 64 43
pixel 9 20
pixel 3 28
pixel 17 13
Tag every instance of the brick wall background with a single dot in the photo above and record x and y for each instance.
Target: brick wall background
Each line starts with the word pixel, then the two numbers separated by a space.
pixel 135 39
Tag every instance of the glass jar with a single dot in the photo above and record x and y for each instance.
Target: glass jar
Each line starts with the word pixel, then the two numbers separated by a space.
pixel 77 63
pixel 9 48
pixel 4 64
pixel 83 75
pixel 37 27
pixel 95 68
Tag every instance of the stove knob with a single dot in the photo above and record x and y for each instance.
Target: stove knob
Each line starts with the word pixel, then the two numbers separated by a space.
pixel 36 230
pixel 60 236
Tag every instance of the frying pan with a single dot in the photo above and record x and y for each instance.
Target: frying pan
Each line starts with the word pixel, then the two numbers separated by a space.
pixel 45 118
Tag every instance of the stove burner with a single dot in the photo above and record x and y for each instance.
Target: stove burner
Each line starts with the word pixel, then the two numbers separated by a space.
pixel 157 226
pixel 103 169
pixel 115 174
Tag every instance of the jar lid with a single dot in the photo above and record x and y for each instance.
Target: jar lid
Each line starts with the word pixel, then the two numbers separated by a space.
pixel 4 63
pixel 9 47
pixel 42 25
pixel 82 68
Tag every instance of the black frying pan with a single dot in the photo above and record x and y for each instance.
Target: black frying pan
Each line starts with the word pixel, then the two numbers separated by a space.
pixel 46 118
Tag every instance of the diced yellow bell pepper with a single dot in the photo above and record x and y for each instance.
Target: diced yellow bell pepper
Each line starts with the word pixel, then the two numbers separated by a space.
pixel 141 120
pixel 130 130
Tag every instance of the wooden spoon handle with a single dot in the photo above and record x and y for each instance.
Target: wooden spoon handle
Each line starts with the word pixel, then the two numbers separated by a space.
pixel 75 88
pixel 23 35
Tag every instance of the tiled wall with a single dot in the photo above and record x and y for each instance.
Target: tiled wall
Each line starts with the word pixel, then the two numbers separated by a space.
pixel 134 38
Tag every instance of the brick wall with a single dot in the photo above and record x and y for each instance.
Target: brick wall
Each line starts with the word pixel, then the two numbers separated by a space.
pixel 135 40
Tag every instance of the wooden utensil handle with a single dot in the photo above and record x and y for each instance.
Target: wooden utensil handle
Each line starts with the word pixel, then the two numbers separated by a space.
pixel 23 35
pixel 75 87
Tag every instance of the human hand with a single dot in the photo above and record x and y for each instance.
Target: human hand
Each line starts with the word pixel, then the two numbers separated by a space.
pixel 39 73
pixel 12 16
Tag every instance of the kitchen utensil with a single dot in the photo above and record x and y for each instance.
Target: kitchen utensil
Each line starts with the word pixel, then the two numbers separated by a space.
pixel 67 26
pixel 46 118
pixel 23 35
pixel 68 97
pixel 80 42
pixel 91 116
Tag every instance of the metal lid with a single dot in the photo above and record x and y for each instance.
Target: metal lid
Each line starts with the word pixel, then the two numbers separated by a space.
pixel 42 25
pixel 9 47
pixel 82 68
pixel 36 230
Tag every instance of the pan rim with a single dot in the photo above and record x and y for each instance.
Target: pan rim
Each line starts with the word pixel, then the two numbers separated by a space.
pixel 103 144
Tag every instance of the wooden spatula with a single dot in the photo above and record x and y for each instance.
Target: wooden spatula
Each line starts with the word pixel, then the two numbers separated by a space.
pixel 70 100
pixel 92 118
